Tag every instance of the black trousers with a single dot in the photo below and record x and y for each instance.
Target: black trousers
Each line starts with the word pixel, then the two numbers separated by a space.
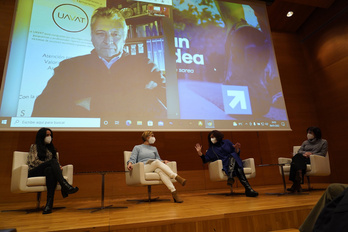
pixel 232 168
pixel 51 170
pixel 299 162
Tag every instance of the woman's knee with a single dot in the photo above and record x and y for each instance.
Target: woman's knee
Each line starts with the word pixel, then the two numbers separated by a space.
pixel 48 171
pixel 157 163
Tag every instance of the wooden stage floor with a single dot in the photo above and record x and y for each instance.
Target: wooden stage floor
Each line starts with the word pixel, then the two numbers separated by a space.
pixel 200 212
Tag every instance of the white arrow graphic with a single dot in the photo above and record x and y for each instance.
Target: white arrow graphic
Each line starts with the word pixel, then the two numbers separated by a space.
pixel 238 97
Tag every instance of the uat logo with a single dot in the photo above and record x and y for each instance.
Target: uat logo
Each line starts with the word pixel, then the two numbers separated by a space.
pixel 70 18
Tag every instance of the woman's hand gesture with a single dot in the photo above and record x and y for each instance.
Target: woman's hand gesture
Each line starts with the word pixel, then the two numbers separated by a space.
pixel 237 147
pixel 198 148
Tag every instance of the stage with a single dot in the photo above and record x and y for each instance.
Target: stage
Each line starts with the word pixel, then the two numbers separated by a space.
pixel 200 212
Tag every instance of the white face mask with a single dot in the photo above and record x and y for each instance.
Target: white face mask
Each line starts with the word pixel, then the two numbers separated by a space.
pixel 152 140
pixel 48 139
pixel 310 136
pixel 213 140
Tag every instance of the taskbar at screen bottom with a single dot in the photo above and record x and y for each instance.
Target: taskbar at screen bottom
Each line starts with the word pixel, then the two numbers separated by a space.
pixel 31 123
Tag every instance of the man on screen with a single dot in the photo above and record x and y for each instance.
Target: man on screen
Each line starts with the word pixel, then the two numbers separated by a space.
pixel 108 82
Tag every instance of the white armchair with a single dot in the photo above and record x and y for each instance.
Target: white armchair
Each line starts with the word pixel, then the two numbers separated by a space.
pixel 21 183
pixel 217 174
pixel 138 177
pixel 319 166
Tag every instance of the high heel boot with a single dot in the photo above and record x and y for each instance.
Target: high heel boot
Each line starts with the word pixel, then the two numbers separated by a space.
pixel 181 180
pixel 67 188
pixel 51 184
pixel 49 205
pixel 249 192
pixel 176 198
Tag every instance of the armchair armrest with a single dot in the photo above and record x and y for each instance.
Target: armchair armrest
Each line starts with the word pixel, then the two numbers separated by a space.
pixel 250 163
pixel 287 162
pixel 215 165
pixel 320 165
pixel 19 179
pixel 215 171
pixel 282 160
pixel 172 165
pixel 68 171
pixel 136 175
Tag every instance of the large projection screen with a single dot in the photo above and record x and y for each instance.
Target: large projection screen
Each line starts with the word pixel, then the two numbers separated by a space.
pixel 191 65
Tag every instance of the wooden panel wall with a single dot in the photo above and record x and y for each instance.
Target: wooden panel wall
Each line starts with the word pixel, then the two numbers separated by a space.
pixel 326 53
pixel 104 150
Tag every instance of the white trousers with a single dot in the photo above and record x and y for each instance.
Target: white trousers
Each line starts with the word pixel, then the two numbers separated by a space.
pixel 164 171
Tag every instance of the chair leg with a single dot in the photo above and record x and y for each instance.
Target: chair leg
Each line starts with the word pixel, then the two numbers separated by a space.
pixel 38 199
pixel 149 199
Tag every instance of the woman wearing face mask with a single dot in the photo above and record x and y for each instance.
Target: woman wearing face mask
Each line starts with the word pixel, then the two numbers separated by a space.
pixel 228 153
pixel 42 161
pixel 148 154
pixel 314 145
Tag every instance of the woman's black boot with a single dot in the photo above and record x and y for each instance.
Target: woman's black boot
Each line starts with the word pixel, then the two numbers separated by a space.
pixel 49 205
pixel 67 188
pixel 51 184
pixel 249 192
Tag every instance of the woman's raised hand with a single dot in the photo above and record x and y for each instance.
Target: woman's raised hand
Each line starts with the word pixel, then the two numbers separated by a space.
pixel 199 149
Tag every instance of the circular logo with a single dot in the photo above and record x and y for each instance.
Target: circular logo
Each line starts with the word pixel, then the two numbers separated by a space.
pixel 70 18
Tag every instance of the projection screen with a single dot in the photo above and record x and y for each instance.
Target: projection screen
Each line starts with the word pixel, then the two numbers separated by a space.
pixel 174 65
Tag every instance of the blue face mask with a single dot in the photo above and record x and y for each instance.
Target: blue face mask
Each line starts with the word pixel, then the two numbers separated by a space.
pixel 213 140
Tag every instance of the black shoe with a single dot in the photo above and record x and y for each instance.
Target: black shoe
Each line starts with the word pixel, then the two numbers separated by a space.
pixel 47 210
pixel 68 189
pixel 292 189
pixel 251 193
pixel 72 190
pixel 49 206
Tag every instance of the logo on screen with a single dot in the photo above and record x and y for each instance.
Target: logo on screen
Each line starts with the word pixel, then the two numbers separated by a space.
pixel 70 18
pixel 236 99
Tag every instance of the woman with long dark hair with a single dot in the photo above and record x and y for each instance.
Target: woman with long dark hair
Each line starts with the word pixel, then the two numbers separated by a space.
pixel 43 161
pixel 228 153
pixel 314 145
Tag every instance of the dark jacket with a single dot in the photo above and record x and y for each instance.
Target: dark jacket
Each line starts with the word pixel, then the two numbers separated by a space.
pixel 334 216
pixel 222 150
pixel 84 87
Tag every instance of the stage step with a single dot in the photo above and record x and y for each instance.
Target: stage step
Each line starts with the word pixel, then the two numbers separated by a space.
pixel 286 230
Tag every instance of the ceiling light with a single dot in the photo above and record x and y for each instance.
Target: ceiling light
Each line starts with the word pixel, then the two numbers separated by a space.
pixel 289 14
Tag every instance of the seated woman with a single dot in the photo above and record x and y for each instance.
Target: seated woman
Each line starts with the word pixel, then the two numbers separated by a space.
pixel 42 161
pixel 228 153
pixel 314 145
pixel 148 154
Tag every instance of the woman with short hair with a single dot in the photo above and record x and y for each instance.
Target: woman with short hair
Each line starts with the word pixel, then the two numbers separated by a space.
pixel 148 154
pixel 314 145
